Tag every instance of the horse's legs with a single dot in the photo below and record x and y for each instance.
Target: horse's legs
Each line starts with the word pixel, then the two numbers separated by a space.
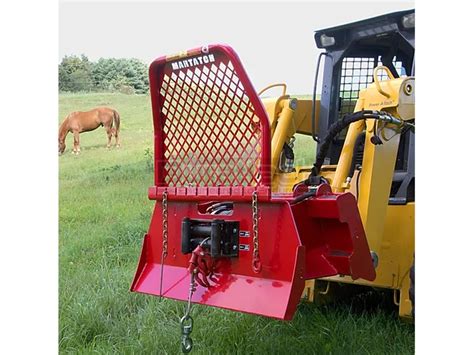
pixel 117 140
pixel 76 148
pixel 109 136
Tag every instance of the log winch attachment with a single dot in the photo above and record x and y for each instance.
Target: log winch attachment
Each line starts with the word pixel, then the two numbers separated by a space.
pixel 251 251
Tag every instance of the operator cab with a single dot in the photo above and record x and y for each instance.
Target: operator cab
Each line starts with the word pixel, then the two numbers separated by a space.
pixel 352 51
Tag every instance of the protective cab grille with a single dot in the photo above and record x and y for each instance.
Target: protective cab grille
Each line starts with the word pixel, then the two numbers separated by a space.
pixel 211 134
pixel 356 74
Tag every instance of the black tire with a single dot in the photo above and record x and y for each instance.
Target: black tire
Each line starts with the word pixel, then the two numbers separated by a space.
pixel 411 291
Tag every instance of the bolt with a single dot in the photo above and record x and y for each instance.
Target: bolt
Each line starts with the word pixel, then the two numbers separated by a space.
pixel 293 104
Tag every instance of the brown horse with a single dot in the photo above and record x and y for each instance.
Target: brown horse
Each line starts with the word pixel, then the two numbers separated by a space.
pixel 78 122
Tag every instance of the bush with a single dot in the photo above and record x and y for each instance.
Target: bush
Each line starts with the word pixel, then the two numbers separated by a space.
pixel 126 89
pixel 128 76
pixel 75 74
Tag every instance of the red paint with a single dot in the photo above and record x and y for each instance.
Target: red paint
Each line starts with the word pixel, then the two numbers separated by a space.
pixel 320 236
pixel 223 89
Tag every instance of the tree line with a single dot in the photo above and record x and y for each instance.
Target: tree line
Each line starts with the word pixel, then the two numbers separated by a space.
pixel 78 73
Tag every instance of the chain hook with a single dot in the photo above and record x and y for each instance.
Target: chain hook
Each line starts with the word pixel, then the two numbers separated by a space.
pixel 186 344
pixel 187 322
pixel 186 329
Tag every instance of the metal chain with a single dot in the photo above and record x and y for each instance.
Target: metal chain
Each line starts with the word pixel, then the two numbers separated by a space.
pixel 164 252
pixel 186 322
pixel 256 264
pixel 165 223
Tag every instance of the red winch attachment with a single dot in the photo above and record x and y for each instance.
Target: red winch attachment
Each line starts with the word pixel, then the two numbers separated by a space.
pixel 202 266
pixel 215 215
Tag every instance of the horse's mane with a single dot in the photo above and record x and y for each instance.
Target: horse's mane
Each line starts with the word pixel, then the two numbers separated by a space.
pixel 64 127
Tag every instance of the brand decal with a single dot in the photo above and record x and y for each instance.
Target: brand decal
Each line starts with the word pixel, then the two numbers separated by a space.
pixel 385 103
pixel 192 62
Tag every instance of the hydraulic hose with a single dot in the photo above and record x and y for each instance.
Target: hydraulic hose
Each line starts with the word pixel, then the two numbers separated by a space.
pixel 359 142
pixel 340 125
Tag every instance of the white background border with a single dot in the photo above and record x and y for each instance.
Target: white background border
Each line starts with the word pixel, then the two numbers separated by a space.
pixel 29 177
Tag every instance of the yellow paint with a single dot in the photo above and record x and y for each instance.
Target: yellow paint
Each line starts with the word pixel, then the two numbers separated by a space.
pixel 389 228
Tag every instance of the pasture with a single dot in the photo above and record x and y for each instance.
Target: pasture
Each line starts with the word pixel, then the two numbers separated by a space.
pixel 104 212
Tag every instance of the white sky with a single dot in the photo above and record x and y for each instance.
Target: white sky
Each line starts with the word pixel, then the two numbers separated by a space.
pixel 273 39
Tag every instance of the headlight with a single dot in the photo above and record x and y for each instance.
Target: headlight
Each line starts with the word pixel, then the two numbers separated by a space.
pixel 408 21
pixel 327 41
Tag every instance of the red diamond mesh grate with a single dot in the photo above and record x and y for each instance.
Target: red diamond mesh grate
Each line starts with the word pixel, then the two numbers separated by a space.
pixel 211 131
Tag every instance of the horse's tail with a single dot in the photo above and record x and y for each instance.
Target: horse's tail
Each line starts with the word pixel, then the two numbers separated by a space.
pixel 117 121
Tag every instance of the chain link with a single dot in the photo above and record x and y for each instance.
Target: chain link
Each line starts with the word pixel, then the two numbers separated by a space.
pixel 256 264
pixel 164 252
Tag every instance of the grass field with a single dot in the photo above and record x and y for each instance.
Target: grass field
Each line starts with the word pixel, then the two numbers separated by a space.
pixel 103 214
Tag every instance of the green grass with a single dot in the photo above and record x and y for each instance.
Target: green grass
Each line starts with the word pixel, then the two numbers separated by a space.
pixel 104 212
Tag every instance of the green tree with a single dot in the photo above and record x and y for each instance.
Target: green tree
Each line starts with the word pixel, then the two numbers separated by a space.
pixel 115 74
pixel 107 74
pixel 75 74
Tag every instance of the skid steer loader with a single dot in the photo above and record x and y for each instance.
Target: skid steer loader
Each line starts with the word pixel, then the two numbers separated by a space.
pixel 370 65
pixel 236 223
